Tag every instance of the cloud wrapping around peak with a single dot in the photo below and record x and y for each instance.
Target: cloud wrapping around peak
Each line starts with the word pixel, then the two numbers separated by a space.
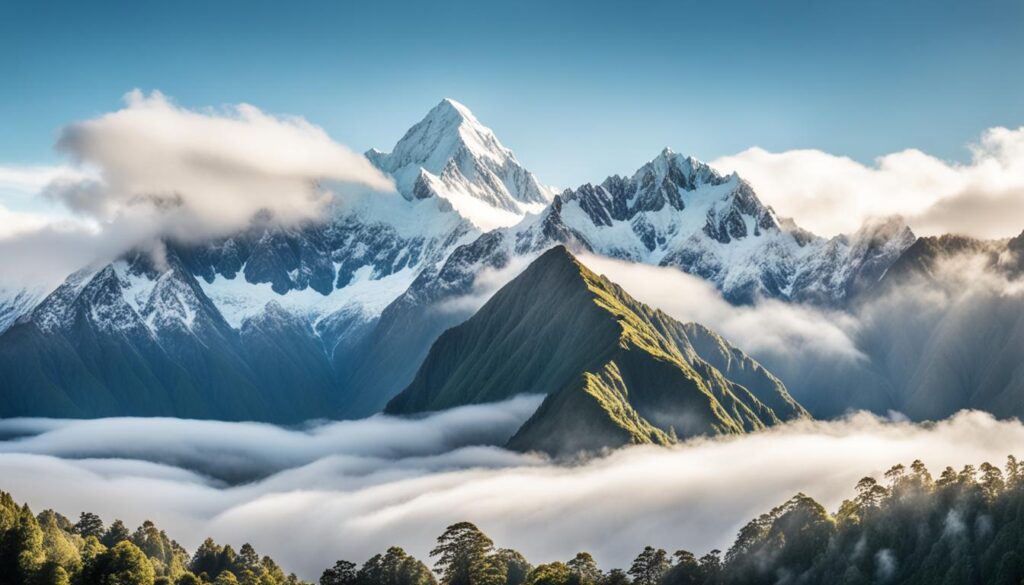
pixel 204 173
pixel 153 170
pixel 830 194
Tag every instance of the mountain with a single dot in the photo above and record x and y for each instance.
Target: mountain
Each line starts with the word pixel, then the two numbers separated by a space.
pixel 674 211
pixel 452 156
pixel 615 371
pixel 243 328
pixel 270 323
pixel 949 332
pixel 677 211
pixel 940 331
pixel 344 311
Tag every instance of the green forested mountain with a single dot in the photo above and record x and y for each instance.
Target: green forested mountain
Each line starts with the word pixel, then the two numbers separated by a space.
pixel 615 371
pixel 962 528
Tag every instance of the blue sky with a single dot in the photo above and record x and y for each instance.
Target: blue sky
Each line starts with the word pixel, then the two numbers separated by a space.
pixel 578 90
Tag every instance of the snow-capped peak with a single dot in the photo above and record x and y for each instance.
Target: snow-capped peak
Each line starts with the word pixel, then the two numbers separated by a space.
pixel 445 131
pixel 451 155
pixel 684 172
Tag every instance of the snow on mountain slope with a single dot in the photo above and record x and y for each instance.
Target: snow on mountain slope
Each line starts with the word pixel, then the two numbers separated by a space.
pixel 451 155
pixel 845 266
pixel 373 247
pixel 677 211
pixel 239 300
pixel 15 302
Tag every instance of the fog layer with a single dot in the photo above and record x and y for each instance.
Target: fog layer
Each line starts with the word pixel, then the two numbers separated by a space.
pixel 348 490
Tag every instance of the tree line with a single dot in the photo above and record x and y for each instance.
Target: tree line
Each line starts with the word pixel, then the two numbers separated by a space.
pixel 962 527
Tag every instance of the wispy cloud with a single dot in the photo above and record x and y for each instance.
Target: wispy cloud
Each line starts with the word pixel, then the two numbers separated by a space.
pixel 29 180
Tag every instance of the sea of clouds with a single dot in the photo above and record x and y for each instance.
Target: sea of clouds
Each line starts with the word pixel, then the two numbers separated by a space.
pixel 312 494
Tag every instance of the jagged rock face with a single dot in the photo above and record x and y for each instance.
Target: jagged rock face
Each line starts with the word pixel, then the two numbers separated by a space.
pixel 676 211
pixel 451 156
pixel 325 257
pixel 844 267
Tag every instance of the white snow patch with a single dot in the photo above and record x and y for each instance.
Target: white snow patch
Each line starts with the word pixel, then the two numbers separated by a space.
pixel 238 299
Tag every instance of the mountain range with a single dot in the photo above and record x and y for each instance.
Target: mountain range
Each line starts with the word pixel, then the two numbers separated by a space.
pixel 341 317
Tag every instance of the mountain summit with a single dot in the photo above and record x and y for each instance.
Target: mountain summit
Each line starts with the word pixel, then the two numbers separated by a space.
pixel 451 155
pixel 615 371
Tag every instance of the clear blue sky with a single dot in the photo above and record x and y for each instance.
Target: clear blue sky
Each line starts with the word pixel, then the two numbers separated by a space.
pixel 578 89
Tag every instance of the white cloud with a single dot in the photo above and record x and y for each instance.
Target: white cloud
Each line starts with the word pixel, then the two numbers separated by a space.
pixel 155 170
pixel 14 223
pixel 246 450
pixel 831 194
pixel 30 180
pixel 322 505
pixel 204 173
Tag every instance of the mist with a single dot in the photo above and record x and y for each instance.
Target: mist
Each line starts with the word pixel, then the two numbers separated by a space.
pixel 350 489
pixel 925 346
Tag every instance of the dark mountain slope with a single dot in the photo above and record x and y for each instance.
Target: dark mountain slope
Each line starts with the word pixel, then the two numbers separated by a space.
pixel 615 370
pixel 129 340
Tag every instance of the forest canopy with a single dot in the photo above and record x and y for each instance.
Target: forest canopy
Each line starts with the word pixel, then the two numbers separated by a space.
pixel 911 527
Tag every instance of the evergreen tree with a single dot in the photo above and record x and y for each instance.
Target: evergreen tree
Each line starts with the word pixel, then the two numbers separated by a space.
pixel 124 564
pixel 115 534
pixel 461 551
pixel 54 574
pixel 342 573
pixel 247 560
pixel 516 566
pixel 584 570
pixel 207 560
pixel 616 577
pixel 711 567
pixel 685 571
pixel 649 566
pixel 549 574
pixel 26 552
pixel 59 546
pixel 89 524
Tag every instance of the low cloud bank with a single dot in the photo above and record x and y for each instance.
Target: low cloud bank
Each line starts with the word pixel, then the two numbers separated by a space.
pixel 336 495
pixel 238 452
